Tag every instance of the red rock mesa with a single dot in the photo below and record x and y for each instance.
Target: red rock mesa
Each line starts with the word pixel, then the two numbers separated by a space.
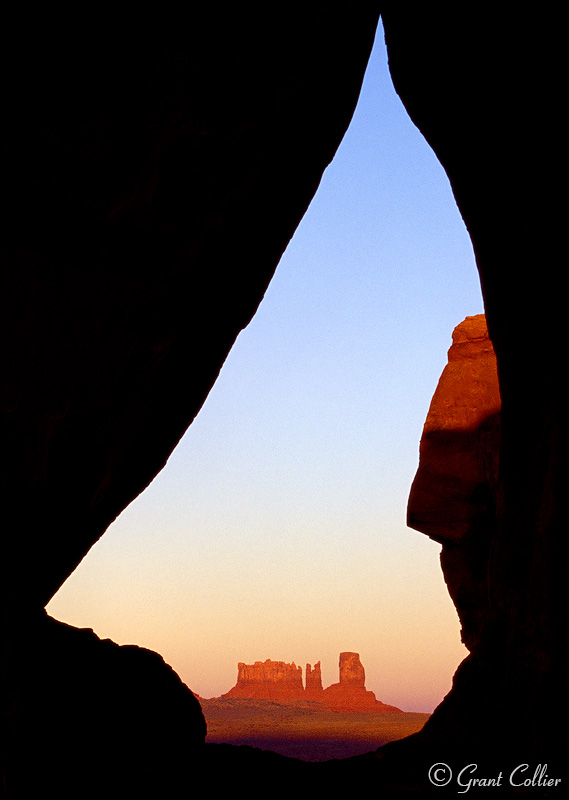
pixel 268 680
pixel 275 680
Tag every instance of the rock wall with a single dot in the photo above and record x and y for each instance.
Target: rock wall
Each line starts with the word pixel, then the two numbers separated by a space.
pixel 455 493
pixel 464 77
pixel 150 195
pixel 155 166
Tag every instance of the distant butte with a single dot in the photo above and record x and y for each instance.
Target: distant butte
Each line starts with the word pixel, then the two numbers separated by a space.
pixel 268 680
pixel 276 680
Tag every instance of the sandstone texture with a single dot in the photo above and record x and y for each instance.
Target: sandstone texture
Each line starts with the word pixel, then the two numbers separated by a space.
pixel 276 680
pixel 268 680
pixel 454 495
pixel 351 670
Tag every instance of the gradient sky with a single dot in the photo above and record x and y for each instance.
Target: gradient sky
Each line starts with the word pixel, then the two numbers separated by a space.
pixel 277 529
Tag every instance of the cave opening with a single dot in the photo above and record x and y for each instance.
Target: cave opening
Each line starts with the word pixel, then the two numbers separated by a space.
pixel 277 528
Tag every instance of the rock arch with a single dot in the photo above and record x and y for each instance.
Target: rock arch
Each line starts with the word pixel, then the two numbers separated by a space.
pixel 155 169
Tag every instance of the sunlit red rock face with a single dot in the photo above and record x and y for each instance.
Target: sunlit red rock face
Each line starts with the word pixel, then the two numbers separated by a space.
pixel 276 680
pixel 268 680
pixel 454 496
pixel 350 694
pixel 313 690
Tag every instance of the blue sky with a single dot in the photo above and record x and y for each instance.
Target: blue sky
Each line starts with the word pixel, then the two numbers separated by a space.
pixel 277 529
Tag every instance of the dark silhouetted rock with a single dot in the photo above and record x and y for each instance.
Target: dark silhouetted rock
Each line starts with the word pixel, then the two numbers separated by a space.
pixel 95 716
pixel 155 167
pixel 454 496
pixel 464 77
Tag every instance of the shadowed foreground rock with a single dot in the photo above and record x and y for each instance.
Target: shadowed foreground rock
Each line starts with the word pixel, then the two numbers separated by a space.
pixel 155 172
pixel 90 718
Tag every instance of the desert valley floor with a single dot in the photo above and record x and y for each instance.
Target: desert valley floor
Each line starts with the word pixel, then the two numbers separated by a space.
pixel 303 730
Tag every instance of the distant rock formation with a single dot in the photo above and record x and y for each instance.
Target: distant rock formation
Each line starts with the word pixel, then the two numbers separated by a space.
pixel 268 680
pixel 314 688
pixel 352 671
pixel 276 680
pixel 350 693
